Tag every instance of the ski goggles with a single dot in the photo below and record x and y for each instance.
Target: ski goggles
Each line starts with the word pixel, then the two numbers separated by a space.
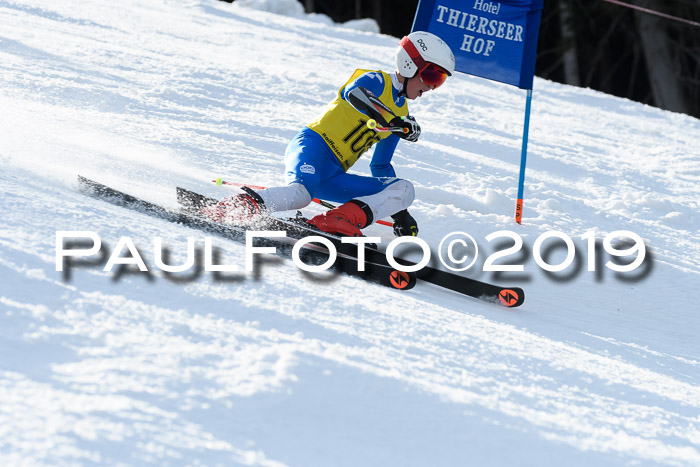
pixel 432 75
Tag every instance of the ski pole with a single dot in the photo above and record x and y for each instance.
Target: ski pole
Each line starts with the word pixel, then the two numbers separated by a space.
pixel 325 204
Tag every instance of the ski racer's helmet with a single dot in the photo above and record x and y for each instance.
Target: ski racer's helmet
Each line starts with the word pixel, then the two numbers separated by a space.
pixel 419 52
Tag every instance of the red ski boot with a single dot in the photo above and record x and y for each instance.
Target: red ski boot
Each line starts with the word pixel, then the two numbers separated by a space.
pixel 238 208
pixel 346 219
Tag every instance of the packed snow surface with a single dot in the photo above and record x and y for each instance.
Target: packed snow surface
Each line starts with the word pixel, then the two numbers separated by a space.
pixel 278 368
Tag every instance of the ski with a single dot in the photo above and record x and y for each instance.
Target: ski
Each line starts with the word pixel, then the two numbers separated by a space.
pixel 296 229
pixel 507 296
pixel 345 262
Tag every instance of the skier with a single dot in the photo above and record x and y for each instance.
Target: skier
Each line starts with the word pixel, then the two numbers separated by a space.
pixel 317 159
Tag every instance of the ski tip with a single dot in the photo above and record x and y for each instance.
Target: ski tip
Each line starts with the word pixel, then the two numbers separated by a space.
pixel 511 297
pixel 84 182
pixel 193 201
pixel 86 185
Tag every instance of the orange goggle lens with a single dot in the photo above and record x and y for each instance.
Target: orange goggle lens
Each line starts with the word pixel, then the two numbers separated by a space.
pixel 432 75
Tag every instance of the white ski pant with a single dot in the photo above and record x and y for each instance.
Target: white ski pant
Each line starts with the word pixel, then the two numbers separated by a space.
pixel 397 196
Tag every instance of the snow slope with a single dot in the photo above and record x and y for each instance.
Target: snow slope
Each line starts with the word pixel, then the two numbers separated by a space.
pixel 282 369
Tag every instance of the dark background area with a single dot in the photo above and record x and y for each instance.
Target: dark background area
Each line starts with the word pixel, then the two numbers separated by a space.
pixel 588 43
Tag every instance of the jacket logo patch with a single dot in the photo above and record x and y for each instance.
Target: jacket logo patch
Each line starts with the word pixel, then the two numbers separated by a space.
pixel 307 169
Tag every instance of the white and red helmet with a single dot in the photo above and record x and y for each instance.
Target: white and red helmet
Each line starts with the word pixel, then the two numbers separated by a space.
pixel 421 48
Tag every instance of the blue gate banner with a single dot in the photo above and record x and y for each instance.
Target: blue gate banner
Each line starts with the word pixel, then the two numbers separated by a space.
pixel 493 39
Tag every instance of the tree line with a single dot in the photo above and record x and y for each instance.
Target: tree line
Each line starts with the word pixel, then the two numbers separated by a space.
pixel 590 43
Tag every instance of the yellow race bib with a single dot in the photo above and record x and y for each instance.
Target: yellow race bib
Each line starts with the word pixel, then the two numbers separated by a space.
pixel 345 129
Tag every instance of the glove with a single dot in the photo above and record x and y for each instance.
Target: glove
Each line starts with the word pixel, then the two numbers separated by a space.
pixel 409 123
pixel 404 224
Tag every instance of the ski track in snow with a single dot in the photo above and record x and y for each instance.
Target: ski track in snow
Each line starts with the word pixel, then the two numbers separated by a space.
pixel 282 369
